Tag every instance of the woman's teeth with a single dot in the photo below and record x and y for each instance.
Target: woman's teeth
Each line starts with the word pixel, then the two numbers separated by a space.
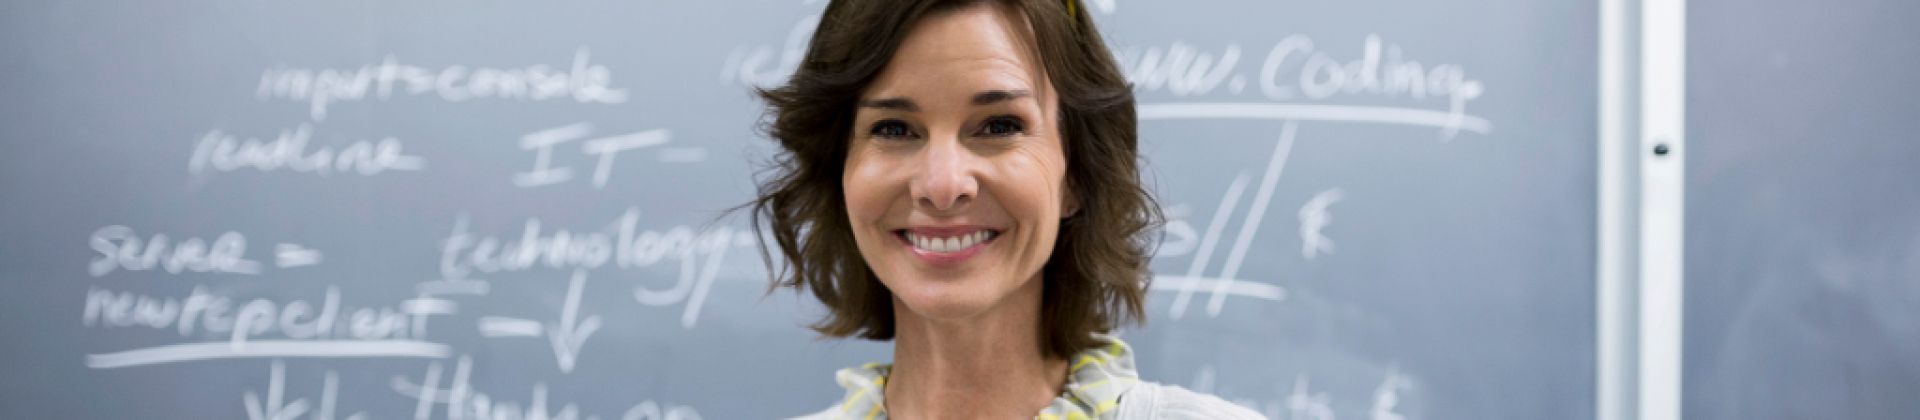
pixel 949 244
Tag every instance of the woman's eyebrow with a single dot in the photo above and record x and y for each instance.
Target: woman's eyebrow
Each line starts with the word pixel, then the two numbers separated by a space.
pixel 902 104
pixel 983 98
pixel 996 96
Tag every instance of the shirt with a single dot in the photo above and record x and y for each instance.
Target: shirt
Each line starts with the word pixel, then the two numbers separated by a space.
pixel 1101 384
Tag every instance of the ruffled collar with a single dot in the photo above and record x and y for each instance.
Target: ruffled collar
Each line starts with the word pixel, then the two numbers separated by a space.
pixel 1098 377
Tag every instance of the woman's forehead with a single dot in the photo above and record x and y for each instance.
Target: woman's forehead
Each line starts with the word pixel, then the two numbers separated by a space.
pixel 959 52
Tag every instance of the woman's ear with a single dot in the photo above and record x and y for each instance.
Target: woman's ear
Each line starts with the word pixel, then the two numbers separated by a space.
pixel 1069 202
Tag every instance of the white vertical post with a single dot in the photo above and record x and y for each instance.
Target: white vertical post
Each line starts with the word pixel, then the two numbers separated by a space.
pixel 1662 154
pixel 1614 307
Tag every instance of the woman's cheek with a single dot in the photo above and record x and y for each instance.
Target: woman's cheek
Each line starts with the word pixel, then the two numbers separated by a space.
pixel 865 195
pixel 864 179
pixel 1036 201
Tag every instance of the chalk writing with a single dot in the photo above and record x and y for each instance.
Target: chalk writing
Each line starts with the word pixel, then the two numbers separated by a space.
pixel 325 330
pixel 763 66
pixel 222 152
pixel 1227 284
pixel 1319 75
pixel 567 335
pixel 1314 218
pixel 1181 69
pixel 1299 79
pixel 119 248
pixel 1303 403
pixel 620 244
pixel 462 401
pixel 542 143
pixel 287 255
pixel 1386 397
pixel 582 81
pixel 275 406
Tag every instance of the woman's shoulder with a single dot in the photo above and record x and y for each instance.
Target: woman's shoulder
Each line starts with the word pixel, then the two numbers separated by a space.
pixel 1149 400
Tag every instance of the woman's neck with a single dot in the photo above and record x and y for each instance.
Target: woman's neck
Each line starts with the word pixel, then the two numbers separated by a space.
pixel 987 366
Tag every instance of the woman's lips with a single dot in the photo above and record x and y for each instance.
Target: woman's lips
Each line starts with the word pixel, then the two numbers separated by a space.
pixel 946 246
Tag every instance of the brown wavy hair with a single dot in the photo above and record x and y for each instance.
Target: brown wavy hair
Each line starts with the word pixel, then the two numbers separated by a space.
pixel 1097 276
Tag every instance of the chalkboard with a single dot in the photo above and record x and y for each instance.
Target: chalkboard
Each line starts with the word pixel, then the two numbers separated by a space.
pixel 1803 211
pixel 485 209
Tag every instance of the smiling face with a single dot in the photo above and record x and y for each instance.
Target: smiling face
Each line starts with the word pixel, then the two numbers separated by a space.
pixel 955 172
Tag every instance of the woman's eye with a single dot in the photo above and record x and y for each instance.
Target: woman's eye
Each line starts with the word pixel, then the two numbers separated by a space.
pixel 1002 126
pixel 890 129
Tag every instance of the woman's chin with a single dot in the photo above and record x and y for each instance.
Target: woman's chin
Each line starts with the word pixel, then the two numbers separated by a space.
pixel 941 302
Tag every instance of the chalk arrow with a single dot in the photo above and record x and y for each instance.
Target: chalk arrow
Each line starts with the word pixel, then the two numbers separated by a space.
pixel 273 409
pixel 572 332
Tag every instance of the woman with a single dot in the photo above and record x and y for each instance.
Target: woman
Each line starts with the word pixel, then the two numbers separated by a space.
pixel 959 177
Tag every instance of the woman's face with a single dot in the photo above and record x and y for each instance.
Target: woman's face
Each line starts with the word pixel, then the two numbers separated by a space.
pixel 955 175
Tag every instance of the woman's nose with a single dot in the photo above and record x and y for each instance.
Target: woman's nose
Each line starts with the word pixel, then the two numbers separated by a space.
pixel 946 180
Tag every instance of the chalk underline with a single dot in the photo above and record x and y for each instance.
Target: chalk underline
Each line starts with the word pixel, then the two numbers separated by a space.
pixel 1313 112
pixel 186 352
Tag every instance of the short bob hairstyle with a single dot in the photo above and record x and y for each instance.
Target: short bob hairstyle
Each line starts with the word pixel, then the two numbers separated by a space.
pixel 1097 276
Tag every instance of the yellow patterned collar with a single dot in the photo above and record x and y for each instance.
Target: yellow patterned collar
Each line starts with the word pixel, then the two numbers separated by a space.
pixel 1099 376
